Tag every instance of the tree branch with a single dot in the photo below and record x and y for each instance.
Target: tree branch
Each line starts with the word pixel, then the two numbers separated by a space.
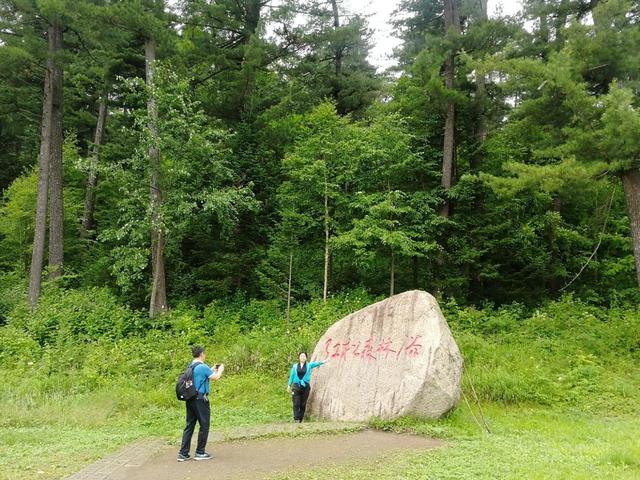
pixel 595 250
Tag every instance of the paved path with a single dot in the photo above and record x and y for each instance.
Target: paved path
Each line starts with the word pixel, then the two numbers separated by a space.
pixel 132 456
pixel 245 453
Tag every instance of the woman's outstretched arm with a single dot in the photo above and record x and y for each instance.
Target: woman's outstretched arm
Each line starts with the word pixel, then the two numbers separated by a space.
pixel 317 364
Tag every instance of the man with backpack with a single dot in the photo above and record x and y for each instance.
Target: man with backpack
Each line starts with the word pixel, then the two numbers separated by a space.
pixel 193 387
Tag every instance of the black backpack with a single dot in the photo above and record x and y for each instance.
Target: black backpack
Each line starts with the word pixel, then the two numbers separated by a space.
pixel 185 389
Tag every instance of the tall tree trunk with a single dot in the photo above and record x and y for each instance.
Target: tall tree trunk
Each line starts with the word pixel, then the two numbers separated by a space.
pixel 560 21
pixel 252 14
pixel 338 50
pixel 452 23
pixel 253 10
pixel 56 205
pixel 40 231
pixel 92 179
pixel 544 33
pixel 631 184
pixel 484 14
pixel 289 287
pixel 481 105
pixel 392 274
pixel 326 240
pixel 338 54
pixel 158 301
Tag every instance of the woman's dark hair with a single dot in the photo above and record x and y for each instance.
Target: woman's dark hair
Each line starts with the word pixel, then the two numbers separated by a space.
pixel 305 353
pixel 197 351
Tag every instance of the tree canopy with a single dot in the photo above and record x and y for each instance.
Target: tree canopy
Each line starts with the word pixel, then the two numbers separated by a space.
pixel 189 151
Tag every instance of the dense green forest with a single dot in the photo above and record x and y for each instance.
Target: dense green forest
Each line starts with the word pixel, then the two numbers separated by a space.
pixel 238 174
pixel 197 150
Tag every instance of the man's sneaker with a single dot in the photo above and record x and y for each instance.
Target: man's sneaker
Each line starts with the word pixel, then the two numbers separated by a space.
pixel 182 458
pixel 202 456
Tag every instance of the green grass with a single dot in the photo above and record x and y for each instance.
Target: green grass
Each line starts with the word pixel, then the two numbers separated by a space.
pixel 532 443
pixel 61 434
pixel 560 386
pixel 57 435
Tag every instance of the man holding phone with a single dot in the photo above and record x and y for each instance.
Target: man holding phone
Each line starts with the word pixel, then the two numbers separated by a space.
pixel 198 408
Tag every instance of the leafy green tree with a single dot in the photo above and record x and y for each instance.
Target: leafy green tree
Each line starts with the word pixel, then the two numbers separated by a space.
pixel 387 217
pixel 17 223
pixel 317 170
pixel 45 21
pixel 197 184
pixel 571 106
pixel 390 225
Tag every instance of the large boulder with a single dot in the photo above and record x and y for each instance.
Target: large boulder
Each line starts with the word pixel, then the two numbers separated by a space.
pixel 395 357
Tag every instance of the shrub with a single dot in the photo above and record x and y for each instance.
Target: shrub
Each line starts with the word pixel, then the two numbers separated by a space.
pixel 565 352
pixel 77 315
pixel 12 292
pixel 15 346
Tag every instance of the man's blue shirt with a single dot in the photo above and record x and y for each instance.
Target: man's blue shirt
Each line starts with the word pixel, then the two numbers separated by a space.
pixel 201 374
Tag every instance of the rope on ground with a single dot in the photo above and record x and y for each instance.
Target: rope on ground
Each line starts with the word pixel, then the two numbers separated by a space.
pixel 483 425
pixel 464 395
pixel 475 395
pixel 593 254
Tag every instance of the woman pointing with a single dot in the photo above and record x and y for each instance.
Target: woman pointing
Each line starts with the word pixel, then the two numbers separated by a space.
pixel 299 384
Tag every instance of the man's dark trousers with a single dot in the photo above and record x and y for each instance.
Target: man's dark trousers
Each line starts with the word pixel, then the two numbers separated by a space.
pixel 198 410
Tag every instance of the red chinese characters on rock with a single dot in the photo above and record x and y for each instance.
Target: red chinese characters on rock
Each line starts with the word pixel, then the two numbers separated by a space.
pixel 372 350
pixel 384 347
pixel 413 349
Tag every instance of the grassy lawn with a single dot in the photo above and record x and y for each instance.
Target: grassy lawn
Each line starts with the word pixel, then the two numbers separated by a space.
pixel 49 438
pixel 531 443
pixel 560 389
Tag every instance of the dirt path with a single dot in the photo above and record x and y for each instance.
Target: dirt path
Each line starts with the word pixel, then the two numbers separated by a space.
pixel 258 458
